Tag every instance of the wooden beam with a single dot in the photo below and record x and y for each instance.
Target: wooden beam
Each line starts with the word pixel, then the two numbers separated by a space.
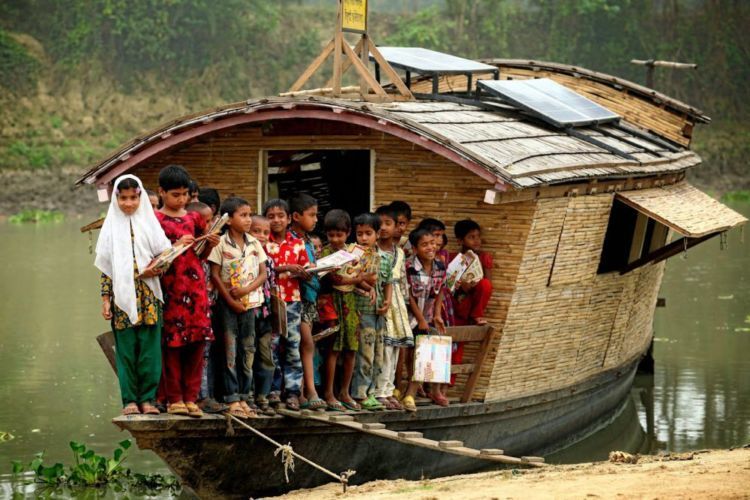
pixel 663 64
pixel 363 71
pixel 364 57
pixel 390 72
pixel 107 342
pixel 313 67
pixel 463 368
pixel 338 39
pixel 346 65
pixel 639 236
pixel 470 333
pixel 666 252
pixel 479 363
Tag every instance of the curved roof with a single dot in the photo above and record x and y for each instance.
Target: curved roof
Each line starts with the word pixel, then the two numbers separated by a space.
pixel 498 143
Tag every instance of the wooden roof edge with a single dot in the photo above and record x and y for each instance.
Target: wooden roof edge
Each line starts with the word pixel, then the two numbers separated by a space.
pixel 606 79
pixel 167 129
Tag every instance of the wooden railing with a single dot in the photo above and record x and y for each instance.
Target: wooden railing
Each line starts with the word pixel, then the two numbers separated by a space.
pixel 471 334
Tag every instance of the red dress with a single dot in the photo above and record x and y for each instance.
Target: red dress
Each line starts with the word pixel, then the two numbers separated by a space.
pixel 186 309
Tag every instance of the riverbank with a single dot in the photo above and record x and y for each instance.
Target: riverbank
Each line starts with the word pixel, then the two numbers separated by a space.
pixel 703 474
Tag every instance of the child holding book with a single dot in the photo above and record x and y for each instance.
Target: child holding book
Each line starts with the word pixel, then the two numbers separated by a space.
pixel 265 364
pixel 426 277
pixel 471 299
pixel 130 238
pixel 398 332
pixel 337 305
pixel 304 209
pixel 289 258
pixel 377 275
pixel 238 271
pixel 187 325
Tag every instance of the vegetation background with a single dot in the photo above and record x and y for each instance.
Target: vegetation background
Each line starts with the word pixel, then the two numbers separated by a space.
pixel 80 77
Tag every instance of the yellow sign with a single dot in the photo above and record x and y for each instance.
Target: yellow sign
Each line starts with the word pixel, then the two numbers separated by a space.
pixel 354 16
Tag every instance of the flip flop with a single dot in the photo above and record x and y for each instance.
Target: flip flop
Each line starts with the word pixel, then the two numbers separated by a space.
pixel 336 405
pixel 235 409
pixel 149 409
pixel 395 403
pixel 292 403
pixel 177 408
pixel 315 404
pixel 409 404
pixel 131 409
pixel 249 410
pixel 372 404
pixel 351 405
pixel 439 400
pixel 193 410
pixel 386 404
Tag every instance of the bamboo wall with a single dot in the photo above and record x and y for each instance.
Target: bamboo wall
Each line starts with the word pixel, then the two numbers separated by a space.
pixel 546 336
pixel 565 322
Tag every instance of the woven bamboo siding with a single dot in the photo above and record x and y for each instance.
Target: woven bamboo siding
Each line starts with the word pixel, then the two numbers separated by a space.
pixel 432 185
pixel 559 334
pixel 671 124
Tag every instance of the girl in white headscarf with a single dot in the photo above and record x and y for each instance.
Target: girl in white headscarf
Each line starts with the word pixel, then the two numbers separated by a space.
pixel 130 239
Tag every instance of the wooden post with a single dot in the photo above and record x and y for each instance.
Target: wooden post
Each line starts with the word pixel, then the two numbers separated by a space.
pixel 364 56
pixel 651 64
pixel 338 38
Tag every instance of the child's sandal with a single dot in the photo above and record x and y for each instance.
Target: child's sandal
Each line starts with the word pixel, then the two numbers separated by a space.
pixel 193 410
pixel 409 403
pixel 249 412
pixel 177 408
pixel 149 409
pixel 131 409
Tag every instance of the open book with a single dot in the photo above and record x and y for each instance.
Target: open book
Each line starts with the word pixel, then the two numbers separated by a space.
pixel 464 267
pixel 214 229
pixel 333 261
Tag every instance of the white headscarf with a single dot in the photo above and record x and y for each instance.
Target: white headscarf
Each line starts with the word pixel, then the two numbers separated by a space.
pixel 114 251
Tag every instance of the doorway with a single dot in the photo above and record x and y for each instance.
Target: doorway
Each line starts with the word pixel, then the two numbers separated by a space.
pixel 336 178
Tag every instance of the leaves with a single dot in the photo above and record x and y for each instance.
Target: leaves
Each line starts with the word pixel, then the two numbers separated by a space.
pixel 6 436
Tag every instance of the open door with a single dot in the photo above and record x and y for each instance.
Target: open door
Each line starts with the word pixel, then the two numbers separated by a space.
pixel 336 178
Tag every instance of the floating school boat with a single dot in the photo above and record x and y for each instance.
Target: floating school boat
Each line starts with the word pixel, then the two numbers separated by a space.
pixel 578 181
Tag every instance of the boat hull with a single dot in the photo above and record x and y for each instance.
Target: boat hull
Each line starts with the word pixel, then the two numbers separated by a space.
pixel 217 465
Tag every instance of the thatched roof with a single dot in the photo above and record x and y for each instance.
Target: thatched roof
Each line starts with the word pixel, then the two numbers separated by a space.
pixel 500 144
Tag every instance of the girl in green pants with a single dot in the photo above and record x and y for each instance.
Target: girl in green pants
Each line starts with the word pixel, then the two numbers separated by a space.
pixel 130 238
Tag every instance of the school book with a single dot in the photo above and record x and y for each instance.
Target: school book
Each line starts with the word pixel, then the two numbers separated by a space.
pixel 165 259
pixel 352 268
pixel 215 228
pixel 432 359
pixel 278 314
pixel 464 267
pixel 333 261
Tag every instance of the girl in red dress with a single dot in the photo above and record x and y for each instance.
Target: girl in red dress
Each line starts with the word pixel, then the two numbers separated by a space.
pixel 187 325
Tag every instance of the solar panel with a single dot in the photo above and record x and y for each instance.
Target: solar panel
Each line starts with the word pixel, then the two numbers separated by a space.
pixel 550 101
pixel 423 61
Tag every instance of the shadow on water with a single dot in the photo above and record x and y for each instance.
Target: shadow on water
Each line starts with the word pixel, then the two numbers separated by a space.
pixel 57 386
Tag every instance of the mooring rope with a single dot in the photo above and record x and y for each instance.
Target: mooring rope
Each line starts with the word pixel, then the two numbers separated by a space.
pixel 288 454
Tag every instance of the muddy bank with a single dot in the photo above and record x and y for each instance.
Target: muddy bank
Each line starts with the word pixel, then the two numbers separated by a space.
pixel 707 474
pixel 47 189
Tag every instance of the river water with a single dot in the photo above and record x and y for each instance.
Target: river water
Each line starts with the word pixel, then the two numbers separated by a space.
pixel 56 386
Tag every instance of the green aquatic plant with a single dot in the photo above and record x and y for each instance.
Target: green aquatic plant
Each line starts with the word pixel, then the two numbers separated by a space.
pixel 742 195
pixel 36 217
pixel 6 436
pixel 93 470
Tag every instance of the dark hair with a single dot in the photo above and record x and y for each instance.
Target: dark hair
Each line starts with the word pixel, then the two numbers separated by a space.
pixel 367 219
pixel 337 220
pixel 464 227
pixel 301 202
pixel 417 235
pixel 232 204
pixel 151 193
pixel 196 206
pixel 401 208
pixel 210 197
pixel 193 187
pixel 128 183
pixel 259 218
pixel 174 177
pixel 275 202
pixel 431 224
pixel 387 211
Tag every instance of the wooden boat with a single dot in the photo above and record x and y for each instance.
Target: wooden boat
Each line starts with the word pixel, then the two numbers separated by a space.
pixel 580 223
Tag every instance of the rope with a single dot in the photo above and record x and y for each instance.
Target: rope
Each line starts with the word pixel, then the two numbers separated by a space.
pixel 288 454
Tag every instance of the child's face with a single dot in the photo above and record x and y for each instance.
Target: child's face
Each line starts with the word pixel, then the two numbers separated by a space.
pixel 154 199
pixel 426 248
pixel 387 228
pixel 278 219
pixel 128 200
pixel 439 242
pixel 307 219
pixel 242 219
pixel 402 223
pixel 317 245
pixel 366 236
pixel 337 238
pixel 174 199
pixel 207 214
pixel 260 229
pixel 472 240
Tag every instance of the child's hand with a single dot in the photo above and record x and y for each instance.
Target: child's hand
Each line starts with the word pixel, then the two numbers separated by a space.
pixel 373 296
pixel 238 292
pixel 106 309
pixel 186 239
pixel 237 307
pixel 151 273
pixel 212 239
pixel 384 308
pixel 422 325
pixel 439 324
pixel 466 286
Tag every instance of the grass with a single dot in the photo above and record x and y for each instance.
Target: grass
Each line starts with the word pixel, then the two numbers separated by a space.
pixel 36 217
pixel 742 195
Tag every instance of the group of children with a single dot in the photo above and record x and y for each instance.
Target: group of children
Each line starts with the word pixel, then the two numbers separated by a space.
pixel 187 335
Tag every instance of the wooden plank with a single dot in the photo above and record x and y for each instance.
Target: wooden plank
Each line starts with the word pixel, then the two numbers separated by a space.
pixel 479 361
pixel 341 418
pixel 472 333
pixel 491 451
pixel 639 236
pixel 338 42
pixel 463 368
pixel 373 426
pixel 450 444
pixel 107 342
pixel 364 52
pixel 363 71
pixel 409 434
pixel 346 64
pixel 386 67
pixel 97 224
pixel 530 459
